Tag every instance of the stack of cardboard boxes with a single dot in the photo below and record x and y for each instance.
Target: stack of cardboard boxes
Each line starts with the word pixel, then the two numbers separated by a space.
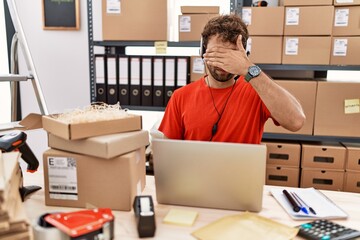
pixel 95 164
pixel 352 167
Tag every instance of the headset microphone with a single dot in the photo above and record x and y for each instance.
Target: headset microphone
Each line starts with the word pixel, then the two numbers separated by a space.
pixel 260 4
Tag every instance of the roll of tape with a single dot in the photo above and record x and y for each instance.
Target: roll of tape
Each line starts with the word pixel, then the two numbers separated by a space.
pixel 43 231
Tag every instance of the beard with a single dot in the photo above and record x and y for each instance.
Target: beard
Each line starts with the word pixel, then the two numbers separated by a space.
pixel 220 75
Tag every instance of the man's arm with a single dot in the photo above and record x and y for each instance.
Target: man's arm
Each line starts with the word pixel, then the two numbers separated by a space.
pixel 284 107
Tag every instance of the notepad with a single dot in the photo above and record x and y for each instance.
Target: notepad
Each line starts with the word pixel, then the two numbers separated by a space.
pixel 180 217
pixel 323 206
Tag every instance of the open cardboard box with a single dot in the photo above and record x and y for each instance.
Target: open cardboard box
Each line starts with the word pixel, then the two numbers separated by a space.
pixel 30 122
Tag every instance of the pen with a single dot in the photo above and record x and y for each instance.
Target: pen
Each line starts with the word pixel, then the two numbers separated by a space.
pixel 302 208
pixel 292 201
pixel 310 208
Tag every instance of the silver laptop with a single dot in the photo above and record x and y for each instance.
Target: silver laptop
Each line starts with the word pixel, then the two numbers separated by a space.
pixel 209 174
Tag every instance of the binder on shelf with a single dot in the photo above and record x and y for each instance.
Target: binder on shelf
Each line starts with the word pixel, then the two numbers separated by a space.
pixel 169 78
pixel 112 80
pixel 182 76
pixel 123 80
pixel 135 91
pixel 100 78
pixel 145 77
pixel 158 81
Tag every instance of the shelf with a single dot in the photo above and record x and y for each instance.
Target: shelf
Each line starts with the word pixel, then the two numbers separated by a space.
pixel 145 108
pixel 143 44
pixel 299 137
pixel 308 67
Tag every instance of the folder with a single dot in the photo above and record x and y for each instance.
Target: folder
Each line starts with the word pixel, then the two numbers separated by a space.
pixel 135 91
pixel 158 82
pixel 169 78
pixel 100 78
pixel 112 80
pixel 124 80
pixel 182 76
pixel 146 86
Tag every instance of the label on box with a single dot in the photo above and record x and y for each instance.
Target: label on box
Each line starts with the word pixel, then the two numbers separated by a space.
pixel 292 16
pixel 113 6
pixel 62 178
pixel 248 45
pixel 344 1
pixel 352 106
pixel 160 47
pixel 340 47
pixel 246 16
pixel 185 24
pixel 292 46
pixel 198 66
pixel 341 17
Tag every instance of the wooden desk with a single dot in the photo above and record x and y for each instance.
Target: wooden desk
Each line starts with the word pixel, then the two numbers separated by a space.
pixel 125 227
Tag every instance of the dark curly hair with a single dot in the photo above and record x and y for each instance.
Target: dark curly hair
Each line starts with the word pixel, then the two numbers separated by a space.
pixel 227 27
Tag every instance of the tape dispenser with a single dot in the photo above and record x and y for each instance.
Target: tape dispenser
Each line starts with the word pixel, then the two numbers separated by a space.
pixel 145 216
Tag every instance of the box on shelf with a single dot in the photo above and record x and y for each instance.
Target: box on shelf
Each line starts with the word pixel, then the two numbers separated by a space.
pixel 90 129
pixel 283 154
pixel 197 68
pixel 282 176
pixel 258 46
pixel 305 2
pixel 343 117
pixel 352 181
pixel 140 20
pixel 352 156
pixel 306 50
pixel 310 21
pixel 346 21
pixel 346 2
pixel 345 51
pixel 322 179
pixel 321 155
pixel 74 180
pixel 193 20
pixel 105 146
pixel 264 21
pixel 305 93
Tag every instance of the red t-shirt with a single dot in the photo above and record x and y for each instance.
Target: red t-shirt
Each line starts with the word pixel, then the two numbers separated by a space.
pixel 191 115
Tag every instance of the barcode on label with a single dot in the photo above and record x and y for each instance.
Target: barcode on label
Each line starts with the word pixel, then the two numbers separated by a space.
pixel 71 162
pixel 63 187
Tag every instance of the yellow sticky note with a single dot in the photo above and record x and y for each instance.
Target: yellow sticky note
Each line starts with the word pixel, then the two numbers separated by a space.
pixel 352 106
pixel 160 47
pixel 180 217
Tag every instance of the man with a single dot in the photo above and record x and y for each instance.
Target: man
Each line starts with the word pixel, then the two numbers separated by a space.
pixel 233 101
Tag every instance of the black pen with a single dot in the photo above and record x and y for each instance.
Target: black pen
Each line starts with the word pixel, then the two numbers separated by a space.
pixel 310 208
pixel 292 201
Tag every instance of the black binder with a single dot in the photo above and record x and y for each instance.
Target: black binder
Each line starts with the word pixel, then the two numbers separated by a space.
pixel 145 78
pixel 100 78
pixel 169 78
pixel 113 82
pixel 158 81
pixel 123 69
pixel 182 76
pixel 135 91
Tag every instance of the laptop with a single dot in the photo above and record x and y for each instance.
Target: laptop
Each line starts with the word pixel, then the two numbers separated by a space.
pixel 209 174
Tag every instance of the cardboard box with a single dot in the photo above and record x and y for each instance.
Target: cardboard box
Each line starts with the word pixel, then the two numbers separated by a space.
pixel 260 51
pixel 264 21
pixel 346 21
pixel 193 20
pixel 306 50
pixel 306 2
pixel 310 21
pixel 347 2
pixel 135 20
pixel 305 93
pixel 30 122
pixel 352 181
pixel 322 179
pixel 345 51
pixel 283 154
pixel 74 180
pixel 352 156
pixel 337 111
pixel 197 68
pixel 323 156
pixel 90 129
pixel 282 176
pixel 105 146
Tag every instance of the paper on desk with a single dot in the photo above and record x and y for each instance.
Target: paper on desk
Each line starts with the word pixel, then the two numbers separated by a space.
pixel 322 205
pixel 245 226
pixel 180 217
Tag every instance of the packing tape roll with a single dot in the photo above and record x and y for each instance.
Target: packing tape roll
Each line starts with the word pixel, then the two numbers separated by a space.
pixel 43 232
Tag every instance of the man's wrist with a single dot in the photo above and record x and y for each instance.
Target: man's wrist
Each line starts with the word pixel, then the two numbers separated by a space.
pixel 253 72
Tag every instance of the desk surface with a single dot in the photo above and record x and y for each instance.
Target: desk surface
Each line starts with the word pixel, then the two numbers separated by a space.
pixel 125 227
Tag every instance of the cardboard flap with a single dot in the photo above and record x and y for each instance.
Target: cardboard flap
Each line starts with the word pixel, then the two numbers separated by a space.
pixel 32 121
pixel 199 9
